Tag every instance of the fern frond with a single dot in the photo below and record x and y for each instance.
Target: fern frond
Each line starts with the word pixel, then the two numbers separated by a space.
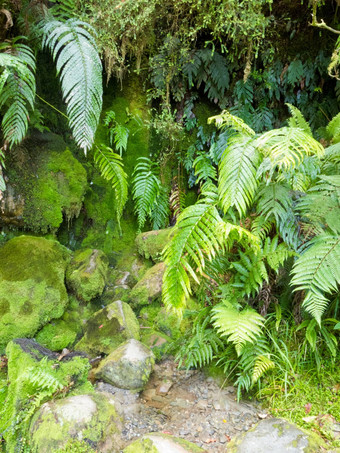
pixel 111 168
pixel 261 366
pixel 333 129
pixel 237 174
pixel 204 170
pixel 74 50
pixel 317 272
pixel 226 119
pixel 145 188
pixel 287 147
pixel 261 226
pixel 197 238
pixel 297 120
pixel 17 90
pixel 240 327
pixel 161 210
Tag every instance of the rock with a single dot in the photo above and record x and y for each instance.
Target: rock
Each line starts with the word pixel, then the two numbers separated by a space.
pixel 26 360
pixel 149 288
pixel 128 367
pixel 108 328
pixel 126 402
pixel 86 274
pixel 32 289
pixel 91 418
pixel 156 341
pixel 164 388
pixel 48 184
pixel 152 243
pixel 162 443
pixel 56 335
pixel 277 435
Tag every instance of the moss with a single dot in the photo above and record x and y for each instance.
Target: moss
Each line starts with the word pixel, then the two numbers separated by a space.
pixel 24 356
pixel 50 180
pixel 156 341
pixel 32 290
pixel 108 328
pixel 148 445
pixel 149 287
pixel 54 427
pixel 56 336
pixel 152 243
pixel 76 446
pixel 86 274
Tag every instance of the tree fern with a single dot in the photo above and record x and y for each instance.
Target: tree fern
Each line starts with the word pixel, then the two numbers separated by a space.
pixel 317 273
pixel 17 90
pixel 237 174
pixel 145 188
pixel 74 50
pixel 111 167
pixel 240 327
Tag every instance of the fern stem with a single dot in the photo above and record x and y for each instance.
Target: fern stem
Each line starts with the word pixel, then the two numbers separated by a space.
pixel 52 106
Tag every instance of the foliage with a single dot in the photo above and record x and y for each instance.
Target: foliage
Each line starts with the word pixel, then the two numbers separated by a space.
pixel 118 134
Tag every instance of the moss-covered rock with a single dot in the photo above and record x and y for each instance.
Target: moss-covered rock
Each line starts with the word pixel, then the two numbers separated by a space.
pixel 56 335
pixel 278 436
pixel 34 370
pixel 149 288
pixel 152 243
pixel 108 328
pixel 161 443
pixel 32 289
pixel 86 274
pixel 156 341
pixel 90 418
pixel 48 184
pixel 128 367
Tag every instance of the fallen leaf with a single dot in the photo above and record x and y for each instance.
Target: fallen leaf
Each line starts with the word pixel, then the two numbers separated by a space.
pixel 210 441
pixel 262 416
pixel 228 438
pixel 102 325
pixel 224 420
pixel 308 408
pixel 309 419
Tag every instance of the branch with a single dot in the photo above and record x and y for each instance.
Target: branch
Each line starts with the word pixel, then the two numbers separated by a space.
pixel 323 24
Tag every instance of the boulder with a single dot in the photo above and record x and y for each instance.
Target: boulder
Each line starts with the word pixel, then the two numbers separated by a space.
pixel 47 184
pixel 149 288
pixel 152 243
pixel 162 443
pixel 128 367
pixel 276 435
pixel 32 289
pixel 56 335
pixel 108 328
pixel 86 274
pixel 91 418
pixel 35 370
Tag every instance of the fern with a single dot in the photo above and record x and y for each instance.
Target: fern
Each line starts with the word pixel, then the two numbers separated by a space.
pixel 287 147
pixel 333 129
pixel 145 188
pixel 240 327
pixel 17 90
pixel 227 120
pixel 297 120
pixel 111 167
pixel 204 170
pixel 74 50
pixel 161 210
pixel 317 273
pixel 237 174
pixel 118 134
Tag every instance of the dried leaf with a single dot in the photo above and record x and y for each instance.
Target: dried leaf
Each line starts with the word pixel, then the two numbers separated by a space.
pixel 308 408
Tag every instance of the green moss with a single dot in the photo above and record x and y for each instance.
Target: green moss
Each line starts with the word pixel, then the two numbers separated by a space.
pixel 108 328
pixel 147 445
pixel 24 358
pixel 32 290
pixel 56 336
pixel 156 341
pixel 152 243
pixel 86 274
pixel 149 287
pixel 76 446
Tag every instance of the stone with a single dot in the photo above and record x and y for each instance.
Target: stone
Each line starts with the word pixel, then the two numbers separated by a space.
pixel 152 243
pixel 164 387
pixel 277 435
pixel 128 367
pixel 86 274
pixel 156 341
pixel 91 418
pixel 108 328
pixel 149 287
pixel 26 359
pixel 47 184
pixel 32 289
pixel 162 443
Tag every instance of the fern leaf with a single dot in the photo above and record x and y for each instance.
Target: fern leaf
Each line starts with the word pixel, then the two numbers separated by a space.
pixel 17 92
pixel 297 120
pixel 161 210
pixel 145 188
pixel 333 128
pixel 110 165
pixel 287 147
pixel 74 50
pixel 317 273
pixel 262 365
pixel 204 170
pixel 226 119
pixel 237 174
pixel 240 327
